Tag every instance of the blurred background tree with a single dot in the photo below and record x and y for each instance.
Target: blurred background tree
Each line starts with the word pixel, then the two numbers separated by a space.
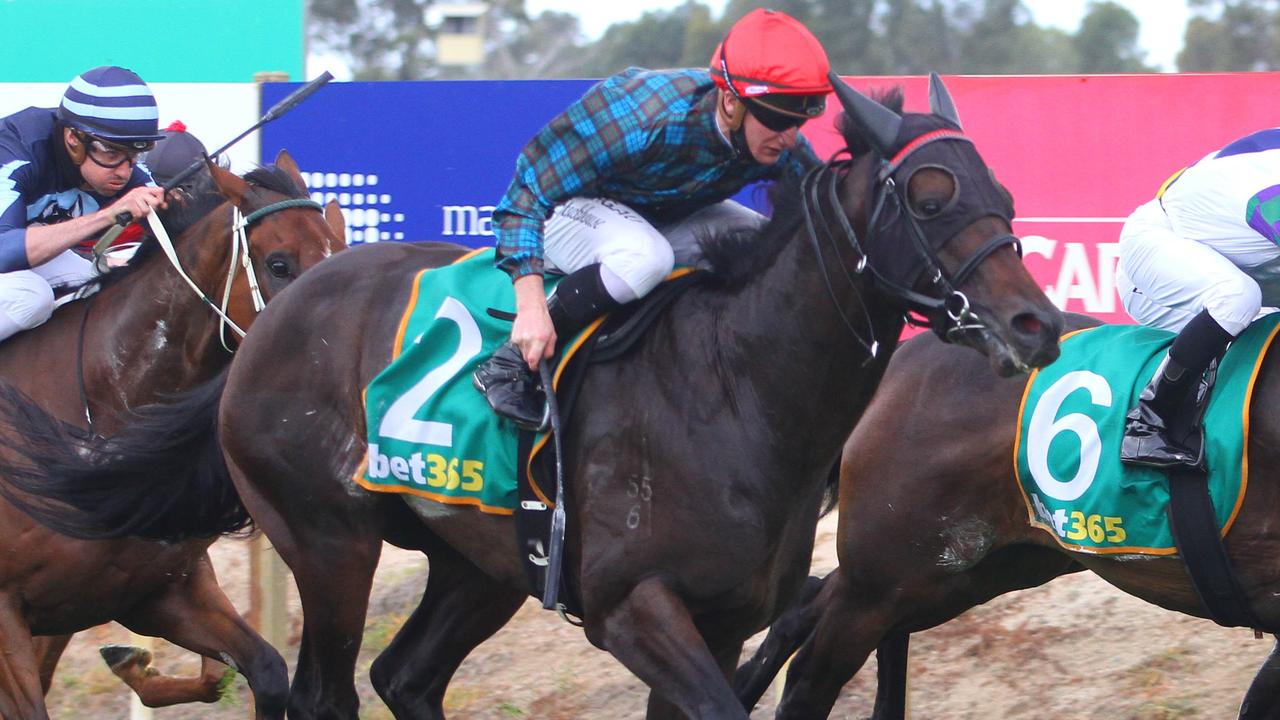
pixel 397 39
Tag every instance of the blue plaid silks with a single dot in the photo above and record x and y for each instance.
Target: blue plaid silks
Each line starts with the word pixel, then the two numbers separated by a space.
pixel 645 138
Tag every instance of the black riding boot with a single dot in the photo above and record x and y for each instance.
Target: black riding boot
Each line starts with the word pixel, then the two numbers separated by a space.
pixel 512 389
pixel 1147 439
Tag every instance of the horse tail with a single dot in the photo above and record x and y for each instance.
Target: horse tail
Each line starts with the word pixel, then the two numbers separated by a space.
pixel 161 477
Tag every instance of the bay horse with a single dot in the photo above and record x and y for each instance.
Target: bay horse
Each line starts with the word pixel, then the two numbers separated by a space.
pixel 936 445
pixel 143 336
pixel 699 461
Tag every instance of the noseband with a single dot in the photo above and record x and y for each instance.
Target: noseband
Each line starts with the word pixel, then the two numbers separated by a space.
pixel 947 312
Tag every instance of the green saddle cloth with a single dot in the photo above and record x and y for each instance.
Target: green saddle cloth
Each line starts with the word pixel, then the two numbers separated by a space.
pixel 1067 452
pixel 430 432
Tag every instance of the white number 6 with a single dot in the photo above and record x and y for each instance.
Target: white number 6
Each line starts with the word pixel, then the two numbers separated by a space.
pixel 1043 428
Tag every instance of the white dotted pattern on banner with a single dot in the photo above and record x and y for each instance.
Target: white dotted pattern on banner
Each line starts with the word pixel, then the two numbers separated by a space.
pixel 366 222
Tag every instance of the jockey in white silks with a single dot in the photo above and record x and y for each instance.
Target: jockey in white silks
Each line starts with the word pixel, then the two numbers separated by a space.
pixel 1201 259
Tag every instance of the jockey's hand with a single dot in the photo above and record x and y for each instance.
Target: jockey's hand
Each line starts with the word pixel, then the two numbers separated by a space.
pixel 532 331
pixel 139 202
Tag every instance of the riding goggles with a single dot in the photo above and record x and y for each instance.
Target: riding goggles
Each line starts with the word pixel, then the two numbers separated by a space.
pixel 111 155
pixel 805 108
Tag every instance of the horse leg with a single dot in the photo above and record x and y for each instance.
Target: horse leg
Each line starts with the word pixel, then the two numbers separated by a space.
pixel 21 691
pixel 194 613
pixel 785 635
pixel 333 566
pixel 651 632
pixel 48 650
pixel 842 639
pixel 660 707
pixel 1262 701
pixel 460 609
pixel 891 677
pixel 133 666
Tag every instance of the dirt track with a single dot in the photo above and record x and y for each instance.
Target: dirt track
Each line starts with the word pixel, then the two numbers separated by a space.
pixel 1075 648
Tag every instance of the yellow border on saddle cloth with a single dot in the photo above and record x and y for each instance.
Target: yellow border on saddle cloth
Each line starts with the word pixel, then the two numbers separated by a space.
pixel 396 349
pixel 1244 457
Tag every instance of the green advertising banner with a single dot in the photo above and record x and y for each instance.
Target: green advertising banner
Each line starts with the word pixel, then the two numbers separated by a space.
pixel 161 40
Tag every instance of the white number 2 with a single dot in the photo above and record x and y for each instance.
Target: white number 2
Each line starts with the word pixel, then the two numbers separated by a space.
pixel 1043 428
pixel 398 422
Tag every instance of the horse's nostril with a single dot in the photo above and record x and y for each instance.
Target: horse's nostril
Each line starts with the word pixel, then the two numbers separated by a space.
pixel 1028 324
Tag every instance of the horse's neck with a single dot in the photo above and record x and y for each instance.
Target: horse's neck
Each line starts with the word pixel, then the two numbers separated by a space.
pixel 151 330
pixel 804 353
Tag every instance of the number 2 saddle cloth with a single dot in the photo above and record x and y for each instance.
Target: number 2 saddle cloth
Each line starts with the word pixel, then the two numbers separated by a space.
pixel 1067 452
pixel 430 432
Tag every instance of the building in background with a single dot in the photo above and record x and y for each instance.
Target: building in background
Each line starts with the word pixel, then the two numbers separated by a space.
pixel 460 29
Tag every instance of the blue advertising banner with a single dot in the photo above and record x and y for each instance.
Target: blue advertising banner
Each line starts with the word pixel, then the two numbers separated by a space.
pixel 414 160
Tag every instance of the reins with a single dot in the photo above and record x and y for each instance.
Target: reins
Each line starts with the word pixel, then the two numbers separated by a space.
pixel 239 251
pixel 239 239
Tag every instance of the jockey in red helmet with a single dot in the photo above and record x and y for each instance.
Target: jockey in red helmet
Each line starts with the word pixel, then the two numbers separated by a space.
pixel 618 188
pixel 772 68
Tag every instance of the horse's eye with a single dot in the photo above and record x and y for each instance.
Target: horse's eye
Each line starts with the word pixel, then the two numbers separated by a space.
pixel 278 267
pixel 930 208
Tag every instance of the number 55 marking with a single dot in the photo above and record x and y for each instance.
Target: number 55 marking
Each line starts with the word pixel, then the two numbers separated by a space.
pixel 399 422
pixel 1043 428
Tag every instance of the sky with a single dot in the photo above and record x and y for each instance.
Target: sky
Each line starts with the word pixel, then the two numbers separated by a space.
pixel 1162 22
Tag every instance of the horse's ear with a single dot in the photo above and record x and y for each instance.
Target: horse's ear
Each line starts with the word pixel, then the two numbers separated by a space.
pixel 940 102
pixel 232 186
pixel 285 162
pixel 333 216
pixel 877 122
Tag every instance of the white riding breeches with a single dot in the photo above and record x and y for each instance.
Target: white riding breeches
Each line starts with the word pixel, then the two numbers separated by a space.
pixel 635 255
pixel 1164 280
pixel 26 296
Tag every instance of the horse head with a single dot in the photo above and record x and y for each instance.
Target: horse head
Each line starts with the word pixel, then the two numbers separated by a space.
pixel 283 233
pixel 960 267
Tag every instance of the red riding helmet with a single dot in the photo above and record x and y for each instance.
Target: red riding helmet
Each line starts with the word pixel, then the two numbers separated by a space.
pixel 769 59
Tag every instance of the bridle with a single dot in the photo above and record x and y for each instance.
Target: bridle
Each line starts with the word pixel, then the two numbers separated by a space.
pixel 240 225
pixel 947 311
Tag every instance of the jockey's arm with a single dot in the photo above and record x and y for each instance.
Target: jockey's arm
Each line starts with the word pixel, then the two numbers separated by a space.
pixel 532 330
pixel 45 242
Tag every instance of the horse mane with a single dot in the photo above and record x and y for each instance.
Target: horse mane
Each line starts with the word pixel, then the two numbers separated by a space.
pixel 737 256
pixel 202 196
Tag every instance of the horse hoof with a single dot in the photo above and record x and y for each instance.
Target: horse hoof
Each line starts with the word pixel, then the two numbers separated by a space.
pixel 118 656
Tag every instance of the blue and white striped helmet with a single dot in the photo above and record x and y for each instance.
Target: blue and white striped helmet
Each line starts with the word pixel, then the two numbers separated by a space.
pixel 112 103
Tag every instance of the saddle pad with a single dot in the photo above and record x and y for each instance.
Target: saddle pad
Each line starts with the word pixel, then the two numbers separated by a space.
pixel 1067 451
pixel 430 432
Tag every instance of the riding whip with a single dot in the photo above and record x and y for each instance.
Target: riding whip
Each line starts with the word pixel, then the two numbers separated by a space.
pixel 280 108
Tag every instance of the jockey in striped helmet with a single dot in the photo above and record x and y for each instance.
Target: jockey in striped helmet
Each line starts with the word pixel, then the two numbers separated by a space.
pixel 114 105
pixel 65 173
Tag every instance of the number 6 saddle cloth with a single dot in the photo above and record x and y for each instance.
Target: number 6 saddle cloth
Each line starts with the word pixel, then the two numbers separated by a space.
pixel 1067 452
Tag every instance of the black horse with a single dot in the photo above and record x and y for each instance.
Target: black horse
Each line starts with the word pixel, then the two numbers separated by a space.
pixel 697 465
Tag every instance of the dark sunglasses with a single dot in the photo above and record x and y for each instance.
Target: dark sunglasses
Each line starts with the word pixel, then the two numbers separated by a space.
pixel 108 154
pixel 773 120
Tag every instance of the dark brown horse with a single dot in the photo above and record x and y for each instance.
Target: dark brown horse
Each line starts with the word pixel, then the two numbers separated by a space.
pixel 936 446
pixel 698 462
pixel 144 335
